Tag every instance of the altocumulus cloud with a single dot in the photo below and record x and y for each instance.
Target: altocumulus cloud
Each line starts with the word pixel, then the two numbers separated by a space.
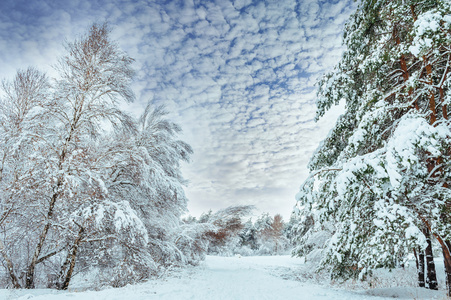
pixel 237 75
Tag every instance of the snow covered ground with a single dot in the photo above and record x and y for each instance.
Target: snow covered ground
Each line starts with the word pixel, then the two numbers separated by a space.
pixel 262 277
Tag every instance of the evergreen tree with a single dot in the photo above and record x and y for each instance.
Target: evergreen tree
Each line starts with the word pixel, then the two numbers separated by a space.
pixel 381 175
pixel 248 236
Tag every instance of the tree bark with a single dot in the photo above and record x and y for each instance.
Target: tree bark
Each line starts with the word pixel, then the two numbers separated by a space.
pixel 444 107
pixel 71 260
pixel 416 257
pixel 405 71
pixel 432 105
pixel 421 282
pixel 431 278
pixel 447 261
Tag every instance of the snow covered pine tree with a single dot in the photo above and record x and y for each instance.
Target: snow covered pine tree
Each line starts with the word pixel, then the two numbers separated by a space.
pixel 382 175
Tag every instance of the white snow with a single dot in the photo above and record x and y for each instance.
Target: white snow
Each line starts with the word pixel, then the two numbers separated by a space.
pixel 428 30
pixel 262 277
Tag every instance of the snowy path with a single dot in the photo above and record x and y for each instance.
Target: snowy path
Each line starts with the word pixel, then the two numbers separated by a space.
pixel 219 278
pixel 243 278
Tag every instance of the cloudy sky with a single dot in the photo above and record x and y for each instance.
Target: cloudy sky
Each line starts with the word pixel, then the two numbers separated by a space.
pixel 238 75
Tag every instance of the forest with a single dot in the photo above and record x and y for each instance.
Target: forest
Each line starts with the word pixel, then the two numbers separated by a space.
pixel 86 187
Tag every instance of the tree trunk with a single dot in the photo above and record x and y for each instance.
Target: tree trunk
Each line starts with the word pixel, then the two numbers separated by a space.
pixel 416 257
pixel 403 65
pixel 447 261
pixel 420 268
pixel 446 246
pixel 432 104
pixel 444 107
pixel 431 275
pixel 71 259
pixel 29 279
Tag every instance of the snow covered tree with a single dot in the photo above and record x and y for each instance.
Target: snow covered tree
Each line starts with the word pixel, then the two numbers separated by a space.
pixel 289 230
pixel 276 235
pixel 270 236
pixel 227 225
pixel 193 240
pixel 19 127
pixel 310 235
pixel 82 182
pixel 161 198
pixel 382 174
pixel 95 75
pixel 248 236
